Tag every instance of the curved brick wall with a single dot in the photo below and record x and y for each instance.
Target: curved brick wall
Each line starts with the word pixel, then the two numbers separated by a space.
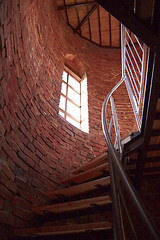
pixel 38 147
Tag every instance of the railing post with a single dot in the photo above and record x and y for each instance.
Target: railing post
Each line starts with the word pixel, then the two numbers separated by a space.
pixel 122 174
pixel 123 48
pixel 117 225
pixel 144 58
pixel 116 126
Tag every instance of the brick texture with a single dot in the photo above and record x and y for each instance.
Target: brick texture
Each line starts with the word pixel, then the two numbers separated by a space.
pixel 38 147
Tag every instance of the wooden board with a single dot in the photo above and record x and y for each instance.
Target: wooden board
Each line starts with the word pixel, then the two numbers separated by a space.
pixel 158 105
pixel 80 188
pixel 156 124
pixel 87 175
pixel 74 205
pixel 105 31
pixel 58 230
pixel 96 28
pixel 101 159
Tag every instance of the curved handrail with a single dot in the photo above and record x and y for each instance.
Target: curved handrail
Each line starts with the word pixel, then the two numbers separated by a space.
pixel 122 174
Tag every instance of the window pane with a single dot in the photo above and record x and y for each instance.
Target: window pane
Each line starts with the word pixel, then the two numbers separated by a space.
pixel 75 97
pixel 73 83
pixel 73 110
pixel 63 89
pixel 62 102
pixel 76 124
pixel 64 76
pixel 61 113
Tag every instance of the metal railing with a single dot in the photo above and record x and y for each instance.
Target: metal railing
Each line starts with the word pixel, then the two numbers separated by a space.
pixel 134 58
pixel 119 178
pixel 123 176
pixel 114 120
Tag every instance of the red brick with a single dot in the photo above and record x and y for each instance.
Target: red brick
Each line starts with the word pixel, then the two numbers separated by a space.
pixel 36 183
pixel 22 184
pixel 30 112
pixel 35 174
pixel 7 218
pixel 21 203
pixel 45 173
pixel 17 140
pixel 43 165
pixel 40 155
pixel 23 138
pixel 5 193
pixel 7 148
pixel 1 203
pixel 31 147
pixel 1 93
pixel 30 154
pixel 21 164
pixel 21 223
pixel 6 170
pixel 2 128
pixel 23 214
pixel 20 116
pixel 12 186
pixel 26 133
pixel 8 206
pixel 4 89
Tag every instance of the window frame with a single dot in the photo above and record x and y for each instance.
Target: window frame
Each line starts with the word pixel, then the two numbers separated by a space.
pixel 79 80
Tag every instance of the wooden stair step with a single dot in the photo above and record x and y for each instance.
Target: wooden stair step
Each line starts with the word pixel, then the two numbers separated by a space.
pixel 155 132
pixel 59 230
pixel 147 171
pixel 74 205
pixel 157 115
pixel 87 175
pixel 148 160
pixel 101 159
pixel 80 188
pixel 154 147
pixel 156 124
pixel 158 105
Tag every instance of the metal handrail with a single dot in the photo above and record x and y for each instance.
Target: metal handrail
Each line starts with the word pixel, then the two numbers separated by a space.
pixel 122 174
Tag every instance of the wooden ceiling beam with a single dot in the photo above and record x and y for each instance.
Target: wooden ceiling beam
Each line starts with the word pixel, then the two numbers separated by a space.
pixel 76 5
pixel 66 12
pixel 99 25
pixel 89 24
pixel 85 18
pixel 77 12
pixel 131 21
pixel 110 31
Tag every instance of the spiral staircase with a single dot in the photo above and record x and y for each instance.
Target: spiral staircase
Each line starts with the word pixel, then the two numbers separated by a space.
pixel 101 199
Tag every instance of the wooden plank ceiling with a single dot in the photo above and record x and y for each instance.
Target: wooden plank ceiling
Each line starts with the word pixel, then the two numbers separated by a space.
pixel 91 22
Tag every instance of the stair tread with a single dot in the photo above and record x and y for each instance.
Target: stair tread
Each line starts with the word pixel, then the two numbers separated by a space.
pixel 80 188
pixel 87 175
pixel 156 124
pixel 132 161
pixel 157 115
pixel 153 147
pixel 91 164
pixel 57 230
pixel 158 105
pixel 74 205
